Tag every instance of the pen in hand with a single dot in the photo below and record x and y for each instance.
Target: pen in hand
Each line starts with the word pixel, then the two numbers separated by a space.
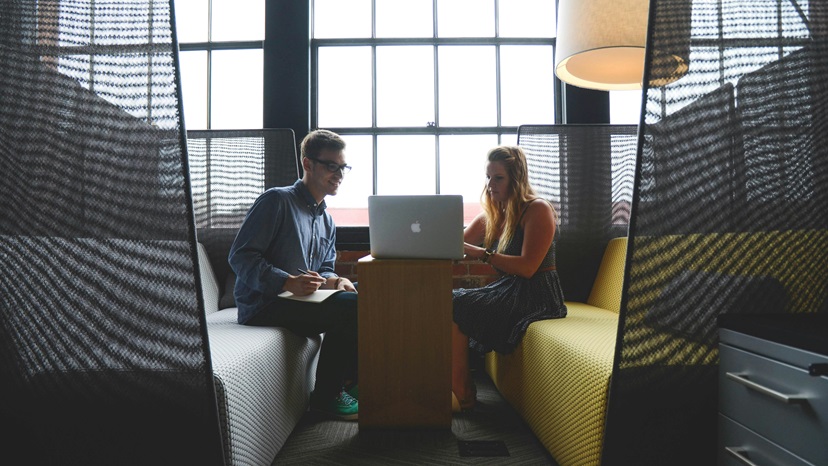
pixel 313 284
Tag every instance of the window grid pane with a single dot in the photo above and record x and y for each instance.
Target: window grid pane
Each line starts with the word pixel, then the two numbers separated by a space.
pixel 191 20
pixel 411 18
pixel 238 20
pixel 237 89
pixel 527 18
pixel 194 88
pixel 468 86
pixel 344 87
pixel 405 164
pixel 341 19
pixel 527 95
pixel 405 85
pixel 465 18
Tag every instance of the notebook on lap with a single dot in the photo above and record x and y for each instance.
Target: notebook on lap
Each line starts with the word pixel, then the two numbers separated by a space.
pixel 416 226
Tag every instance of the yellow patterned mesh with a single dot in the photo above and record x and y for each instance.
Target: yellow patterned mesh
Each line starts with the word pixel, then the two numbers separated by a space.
pixel 558 380
pixel 606 291
pixel 558 377
pixel 737 254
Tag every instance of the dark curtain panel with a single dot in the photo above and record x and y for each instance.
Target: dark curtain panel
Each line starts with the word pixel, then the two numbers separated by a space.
pixel 103 347
pixel 730 213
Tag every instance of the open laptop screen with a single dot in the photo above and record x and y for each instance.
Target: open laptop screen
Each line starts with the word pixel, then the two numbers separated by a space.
pixel 416 226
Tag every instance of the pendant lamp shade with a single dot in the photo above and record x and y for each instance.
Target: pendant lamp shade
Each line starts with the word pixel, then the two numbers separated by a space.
pixel 602 45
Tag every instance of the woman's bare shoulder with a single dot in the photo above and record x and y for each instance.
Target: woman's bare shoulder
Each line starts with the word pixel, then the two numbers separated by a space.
pixel 539 206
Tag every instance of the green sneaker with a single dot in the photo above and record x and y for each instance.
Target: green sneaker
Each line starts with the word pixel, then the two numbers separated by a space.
pixel 354 391
pixel 343 407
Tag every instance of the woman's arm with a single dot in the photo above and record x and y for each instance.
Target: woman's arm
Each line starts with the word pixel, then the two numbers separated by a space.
pixel 473 237
pixel 476 230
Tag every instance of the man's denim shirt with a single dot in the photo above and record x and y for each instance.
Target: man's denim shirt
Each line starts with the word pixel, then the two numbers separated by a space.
pixel 285 230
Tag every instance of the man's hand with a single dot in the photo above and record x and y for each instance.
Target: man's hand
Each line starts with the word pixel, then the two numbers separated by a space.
pixel 305 284
pixel 345 284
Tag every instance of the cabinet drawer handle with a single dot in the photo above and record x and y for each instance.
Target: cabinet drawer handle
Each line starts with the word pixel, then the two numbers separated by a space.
pixel 738 453
pixel 779 396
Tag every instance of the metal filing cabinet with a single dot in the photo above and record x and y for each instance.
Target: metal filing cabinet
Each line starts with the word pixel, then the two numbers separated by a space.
pixel 773 391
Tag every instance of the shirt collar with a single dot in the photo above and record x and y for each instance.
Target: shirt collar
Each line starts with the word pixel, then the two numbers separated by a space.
pixel 305 195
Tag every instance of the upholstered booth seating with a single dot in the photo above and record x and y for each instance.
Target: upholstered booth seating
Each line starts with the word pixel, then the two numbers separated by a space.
pixel 263 377
pixel 558 377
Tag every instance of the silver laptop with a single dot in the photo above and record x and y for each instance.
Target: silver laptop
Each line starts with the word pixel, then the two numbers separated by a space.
pixel 416 227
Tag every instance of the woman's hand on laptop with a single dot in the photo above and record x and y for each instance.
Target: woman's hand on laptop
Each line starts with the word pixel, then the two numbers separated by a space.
pixel 473 252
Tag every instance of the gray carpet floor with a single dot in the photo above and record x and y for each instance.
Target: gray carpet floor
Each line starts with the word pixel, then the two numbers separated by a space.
pixel 496 435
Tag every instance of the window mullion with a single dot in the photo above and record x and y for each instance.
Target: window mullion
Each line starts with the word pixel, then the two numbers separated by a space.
pixel 209 65
pixel 437 163
pixel 498 106
pixel 375 137
pixel 498 109
pixel 373 67
pixel 436 124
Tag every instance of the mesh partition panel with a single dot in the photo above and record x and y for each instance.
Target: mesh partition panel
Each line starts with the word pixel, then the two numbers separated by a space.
pixel 229 169
pixel 103 347
pixel 729 212
pixel 587 171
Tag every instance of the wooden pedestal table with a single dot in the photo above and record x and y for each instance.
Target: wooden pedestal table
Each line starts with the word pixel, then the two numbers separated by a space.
pixel 404 343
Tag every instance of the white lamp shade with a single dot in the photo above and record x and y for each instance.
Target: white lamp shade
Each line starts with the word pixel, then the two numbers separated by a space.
pixel 601 43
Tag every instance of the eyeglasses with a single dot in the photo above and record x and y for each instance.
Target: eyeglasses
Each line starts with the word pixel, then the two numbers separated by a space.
pixel 332 167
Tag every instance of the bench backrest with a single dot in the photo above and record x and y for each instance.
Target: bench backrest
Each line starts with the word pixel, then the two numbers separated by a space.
pixel 209 285
pixel 609 282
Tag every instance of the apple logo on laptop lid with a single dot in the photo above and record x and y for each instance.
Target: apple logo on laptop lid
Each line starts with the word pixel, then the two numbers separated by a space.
pixel 415 227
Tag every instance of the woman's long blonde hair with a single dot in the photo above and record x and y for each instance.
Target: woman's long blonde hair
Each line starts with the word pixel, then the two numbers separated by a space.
pixel 507 213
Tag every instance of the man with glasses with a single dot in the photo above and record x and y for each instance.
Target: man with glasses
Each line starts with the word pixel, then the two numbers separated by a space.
pixel 287 242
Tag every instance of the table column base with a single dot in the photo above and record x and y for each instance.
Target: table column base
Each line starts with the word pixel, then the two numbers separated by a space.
pixel 405 343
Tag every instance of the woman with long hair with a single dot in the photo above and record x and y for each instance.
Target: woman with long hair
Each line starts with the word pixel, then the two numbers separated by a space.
pixel 515 234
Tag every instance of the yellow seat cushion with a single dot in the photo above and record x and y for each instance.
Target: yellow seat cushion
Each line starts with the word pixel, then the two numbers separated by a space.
pixel 558 380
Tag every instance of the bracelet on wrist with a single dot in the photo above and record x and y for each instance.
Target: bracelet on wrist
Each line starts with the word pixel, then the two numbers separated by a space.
pixel 487 254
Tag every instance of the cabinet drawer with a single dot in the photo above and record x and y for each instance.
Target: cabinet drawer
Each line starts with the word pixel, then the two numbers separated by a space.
pixel 750 446
pixel 798 425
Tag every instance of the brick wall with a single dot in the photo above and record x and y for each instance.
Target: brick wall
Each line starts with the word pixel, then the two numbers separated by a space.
pixel 467 274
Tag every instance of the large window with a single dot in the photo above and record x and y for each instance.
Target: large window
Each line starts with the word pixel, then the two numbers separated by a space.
pixel 421 89
pixel 221 62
